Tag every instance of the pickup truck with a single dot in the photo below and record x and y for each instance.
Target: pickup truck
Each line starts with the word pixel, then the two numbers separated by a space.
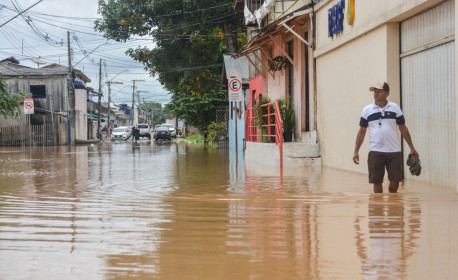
pixel 144 130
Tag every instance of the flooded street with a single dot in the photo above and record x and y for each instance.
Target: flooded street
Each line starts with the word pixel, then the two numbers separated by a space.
pixel 182 211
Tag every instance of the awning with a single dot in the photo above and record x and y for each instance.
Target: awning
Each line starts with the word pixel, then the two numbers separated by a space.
pixel 78 85
pixel 95 115
pixel 265 34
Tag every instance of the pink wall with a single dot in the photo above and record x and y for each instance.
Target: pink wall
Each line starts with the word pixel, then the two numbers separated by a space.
pixel 256 85
pixel 276 84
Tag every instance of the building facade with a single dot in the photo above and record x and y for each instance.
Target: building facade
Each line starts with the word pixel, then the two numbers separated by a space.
pixel 48 86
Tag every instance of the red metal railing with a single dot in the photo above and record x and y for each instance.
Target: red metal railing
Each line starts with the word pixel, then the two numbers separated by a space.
pixel 254 133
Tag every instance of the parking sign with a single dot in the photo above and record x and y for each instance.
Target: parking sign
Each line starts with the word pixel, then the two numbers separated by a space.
pixel 235 89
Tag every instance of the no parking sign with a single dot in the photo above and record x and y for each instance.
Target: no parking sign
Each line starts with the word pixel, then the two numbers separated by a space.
pixel 235 89
pixel 28 106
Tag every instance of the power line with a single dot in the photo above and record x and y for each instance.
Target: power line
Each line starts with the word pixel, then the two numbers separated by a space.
pixel 69 29
pixel 35 29
pixel 89 18
pixel 21 12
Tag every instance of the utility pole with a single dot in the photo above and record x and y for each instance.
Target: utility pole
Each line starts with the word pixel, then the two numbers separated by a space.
pixel 99 105
pixel 133 99
pixel 71 95
pixel 109 106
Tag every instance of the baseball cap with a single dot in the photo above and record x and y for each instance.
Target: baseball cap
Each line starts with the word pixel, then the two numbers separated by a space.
pixel 380 85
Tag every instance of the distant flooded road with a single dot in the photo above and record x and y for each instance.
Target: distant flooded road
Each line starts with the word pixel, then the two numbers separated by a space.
pixel 182 211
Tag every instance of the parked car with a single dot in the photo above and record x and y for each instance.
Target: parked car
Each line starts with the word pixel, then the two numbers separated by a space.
pixel 162 132
pixel 173 131
pixel 144 130
pixel 121 133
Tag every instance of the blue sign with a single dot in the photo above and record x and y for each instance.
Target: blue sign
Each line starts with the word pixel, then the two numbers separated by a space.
pixel 335 18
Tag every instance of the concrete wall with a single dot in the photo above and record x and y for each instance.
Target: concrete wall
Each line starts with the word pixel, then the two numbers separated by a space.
pixel 275 82
pixel 81 100
pixel 263 153
pixel 81 114
pixel 343 80
pixel 62 133
pixel 456 82
pixel 369 15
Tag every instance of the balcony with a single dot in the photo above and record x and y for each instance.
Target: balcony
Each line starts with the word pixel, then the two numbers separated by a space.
pixel 264 12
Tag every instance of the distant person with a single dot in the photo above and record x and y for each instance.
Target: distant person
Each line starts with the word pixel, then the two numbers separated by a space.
pixel 104 132
pixel 101 133
pixel 383 117
pixel 136 133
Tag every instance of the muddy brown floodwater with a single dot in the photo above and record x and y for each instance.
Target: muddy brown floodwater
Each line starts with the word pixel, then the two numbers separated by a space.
pixel 195 212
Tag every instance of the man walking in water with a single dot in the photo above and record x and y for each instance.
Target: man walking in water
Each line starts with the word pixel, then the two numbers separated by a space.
pixel 136 133
pixel 383 117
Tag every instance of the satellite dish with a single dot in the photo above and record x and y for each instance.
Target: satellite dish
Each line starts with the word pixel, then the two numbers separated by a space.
pixel 38 61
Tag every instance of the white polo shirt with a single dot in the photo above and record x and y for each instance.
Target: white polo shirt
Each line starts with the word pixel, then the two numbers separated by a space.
pixel 383 126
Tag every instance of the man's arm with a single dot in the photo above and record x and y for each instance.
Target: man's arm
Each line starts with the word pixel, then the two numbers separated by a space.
pixel 405 133
pixel 359 141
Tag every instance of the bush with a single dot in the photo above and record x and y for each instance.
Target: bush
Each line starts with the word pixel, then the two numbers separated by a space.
pixel 196 138
pixel 216 132
pixel 287 114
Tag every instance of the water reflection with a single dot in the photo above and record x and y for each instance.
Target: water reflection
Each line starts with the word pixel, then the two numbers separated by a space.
pixel 198 212
pixel 394 226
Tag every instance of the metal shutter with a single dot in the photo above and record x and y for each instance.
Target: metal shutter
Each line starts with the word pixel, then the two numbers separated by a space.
pixel 428 91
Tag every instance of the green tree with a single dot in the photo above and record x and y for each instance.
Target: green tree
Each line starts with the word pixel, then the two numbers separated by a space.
pixel 9 103
pixel 190 38
pixel 195 110
pixel 155 110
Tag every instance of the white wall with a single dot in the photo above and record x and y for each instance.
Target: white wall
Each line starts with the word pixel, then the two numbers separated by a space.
pixel 369 15
pixel 456 85
pixel 81 114
pixel 343 80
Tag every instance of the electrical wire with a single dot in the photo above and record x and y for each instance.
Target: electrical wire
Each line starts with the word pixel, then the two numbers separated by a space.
pixel 89 18
pixel 46 37
pixel 113 60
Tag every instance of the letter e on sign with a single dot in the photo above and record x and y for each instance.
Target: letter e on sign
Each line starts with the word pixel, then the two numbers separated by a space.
pixel 235 90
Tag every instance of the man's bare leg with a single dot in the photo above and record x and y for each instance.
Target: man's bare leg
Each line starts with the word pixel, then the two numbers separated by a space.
pixel 378 188
pixel 393 187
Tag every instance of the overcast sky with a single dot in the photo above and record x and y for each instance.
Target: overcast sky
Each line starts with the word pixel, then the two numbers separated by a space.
pixel 42 29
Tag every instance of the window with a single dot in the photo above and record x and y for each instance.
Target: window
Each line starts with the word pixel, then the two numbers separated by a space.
pixel 38 91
